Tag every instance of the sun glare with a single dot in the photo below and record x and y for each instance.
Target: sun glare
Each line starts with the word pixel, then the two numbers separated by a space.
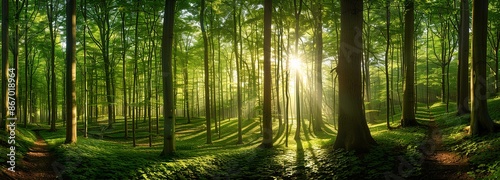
pixel 295 63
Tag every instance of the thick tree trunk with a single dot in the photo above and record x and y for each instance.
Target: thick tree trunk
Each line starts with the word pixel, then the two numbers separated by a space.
pixel 353 131
pixel 70 72
pixel 408 115
pixel 167 77
pixel 480 123
pixel 267 141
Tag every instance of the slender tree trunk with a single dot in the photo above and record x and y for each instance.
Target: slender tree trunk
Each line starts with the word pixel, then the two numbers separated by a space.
pixel 388 44
pixel 124 71
pixel 27 110
pixel 85 128
pixel 238 77
pixel 319 74
pixel 297 76
pixel 51 16
pixel 5 62
pixel 427 62
pixel 207 76
pixel 134 89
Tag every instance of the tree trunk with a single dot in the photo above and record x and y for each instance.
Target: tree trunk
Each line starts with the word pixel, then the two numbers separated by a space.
pixel 134 89
pixel 124 71
pixel 167 77
pixel 480 123
pixel 297 76
pixel 27 110
pixel 85 128
pixel 5 62
pixel 238 77
pixel 408 115
pixel 71 72
pixel 388 44
pixel 207 76
pixel 51 16
pixel 353 133
pixel 267 141
pixel 318 125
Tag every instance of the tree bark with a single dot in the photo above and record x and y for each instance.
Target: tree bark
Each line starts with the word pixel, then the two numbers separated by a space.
pixel 124 78
pixel 167 77
pixel 480 123
pixel 71 72
pixel 207 76
pixel 318 125
pixel 238 78
pixel 53 86
pixel 388 44
pixel 408 115
pixel 297 76
pixel 5 62
pixel 267 142
pixel 353 133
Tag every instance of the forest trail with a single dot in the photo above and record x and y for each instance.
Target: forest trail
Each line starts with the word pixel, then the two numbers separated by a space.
pixel 441 163
pixel 37 163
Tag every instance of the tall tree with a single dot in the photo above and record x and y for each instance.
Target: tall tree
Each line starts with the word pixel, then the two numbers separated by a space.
pixel 26 69
pixel 207 77
pixel 101 15
pixel 353 133
pixel 408 115
pixel 267 116
pixel 86 116
pixel 124 66
pixel 481 122
pixel 70 71
pixel 167 77
pixel 52 14
pixel 238 77
pixel 318 114
pixel 388 44
pixel 298 9
pixel 5 62
pixel 463 60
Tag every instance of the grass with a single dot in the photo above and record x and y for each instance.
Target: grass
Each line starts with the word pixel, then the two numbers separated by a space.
pixel 114 157
pixel 106 154
pixel 483 152
pixel 24 139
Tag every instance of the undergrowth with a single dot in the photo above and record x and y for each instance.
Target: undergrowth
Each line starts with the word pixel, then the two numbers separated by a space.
pixel 483 152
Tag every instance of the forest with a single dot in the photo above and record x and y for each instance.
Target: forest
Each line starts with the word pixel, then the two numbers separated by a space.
pixel 256 89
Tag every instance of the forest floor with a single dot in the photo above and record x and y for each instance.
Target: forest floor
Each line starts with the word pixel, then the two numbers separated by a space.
pixel 37 163
pixel 441 163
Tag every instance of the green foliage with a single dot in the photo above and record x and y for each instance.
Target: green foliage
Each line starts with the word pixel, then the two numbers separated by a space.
pixel 483 152
pixel 24 139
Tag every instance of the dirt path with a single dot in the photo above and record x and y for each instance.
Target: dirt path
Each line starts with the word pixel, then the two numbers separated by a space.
pixel 441 163
pixel 36 164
